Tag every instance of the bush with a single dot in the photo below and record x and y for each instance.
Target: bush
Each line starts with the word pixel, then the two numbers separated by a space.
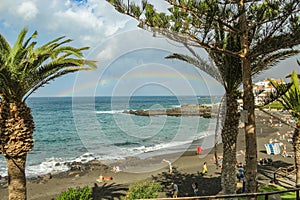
pixel 143 190
pixel 273 188
pixel 84 193
pixel 274 105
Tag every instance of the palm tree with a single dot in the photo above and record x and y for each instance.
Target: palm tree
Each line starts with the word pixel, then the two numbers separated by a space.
pixel 227 70
pixel 23 69
pixel 262 27
pixel 290 100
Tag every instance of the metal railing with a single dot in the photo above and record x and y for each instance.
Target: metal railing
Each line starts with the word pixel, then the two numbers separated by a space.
pixel 245 195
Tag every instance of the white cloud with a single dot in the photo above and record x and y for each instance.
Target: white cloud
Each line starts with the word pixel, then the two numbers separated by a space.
pixel 27 10
pixel 88 22
pixel 93 23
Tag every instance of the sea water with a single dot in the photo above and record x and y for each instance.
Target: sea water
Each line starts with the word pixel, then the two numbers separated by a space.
pixel 88 128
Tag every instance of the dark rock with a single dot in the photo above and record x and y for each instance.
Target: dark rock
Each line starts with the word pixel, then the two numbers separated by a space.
pixel 184 110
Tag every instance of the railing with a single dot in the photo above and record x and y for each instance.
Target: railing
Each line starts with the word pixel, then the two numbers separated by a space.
pixel 246 195
pixel 284 172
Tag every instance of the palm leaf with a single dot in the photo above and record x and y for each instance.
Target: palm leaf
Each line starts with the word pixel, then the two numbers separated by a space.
pixel 289 94
pixel 25 67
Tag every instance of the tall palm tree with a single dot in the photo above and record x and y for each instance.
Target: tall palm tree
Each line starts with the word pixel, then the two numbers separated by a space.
pixel 227 70
pixel 23 69
pixel 257 25
pixel 290 100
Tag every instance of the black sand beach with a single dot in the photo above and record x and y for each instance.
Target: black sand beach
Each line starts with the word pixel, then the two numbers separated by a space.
pixel 186 171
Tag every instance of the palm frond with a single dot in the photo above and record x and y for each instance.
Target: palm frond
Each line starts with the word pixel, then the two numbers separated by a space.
pixel 267 61
pixel 35 33
pixel 41 83
pixel 26 67
pixel 4 50
pixel 207 66
pixel 290 94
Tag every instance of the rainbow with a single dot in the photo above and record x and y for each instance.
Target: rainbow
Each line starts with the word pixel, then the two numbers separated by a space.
pixel 153 76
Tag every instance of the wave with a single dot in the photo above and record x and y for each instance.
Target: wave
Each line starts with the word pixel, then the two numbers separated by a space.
pixel 109 111
pixel 175 106
pixel 57 165
pixel 127 143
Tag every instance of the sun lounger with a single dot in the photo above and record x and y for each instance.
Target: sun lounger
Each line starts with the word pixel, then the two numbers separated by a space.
pixel 272 148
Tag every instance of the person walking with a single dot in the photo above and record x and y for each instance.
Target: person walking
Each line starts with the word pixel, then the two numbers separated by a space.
pixel 170 165
pixel 175 190
pixel 195 189
pixel 204 169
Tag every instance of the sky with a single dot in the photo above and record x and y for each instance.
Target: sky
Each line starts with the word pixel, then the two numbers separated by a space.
pixel 130 61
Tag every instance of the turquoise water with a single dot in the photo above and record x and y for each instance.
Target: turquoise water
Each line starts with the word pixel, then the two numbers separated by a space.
pixel 81 129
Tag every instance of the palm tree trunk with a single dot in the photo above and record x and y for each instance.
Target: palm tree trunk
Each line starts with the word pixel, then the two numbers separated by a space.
pixel 16 178
pixel 16 140
pixel 229 139
pixel 296 144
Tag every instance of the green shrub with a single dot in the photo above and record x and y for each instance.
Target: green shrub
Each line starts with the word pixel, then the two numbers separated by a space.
pixel 274 105
pixel 143 190
pixel 84 193
pixel 273 188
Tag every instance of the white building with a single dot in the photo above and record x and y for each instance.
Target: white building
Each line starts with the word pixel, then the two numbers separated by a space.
pixel 262 89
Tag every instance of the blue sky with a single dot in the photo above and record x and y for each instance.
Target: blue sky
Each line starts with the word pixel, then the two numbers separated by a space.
pixel 131 61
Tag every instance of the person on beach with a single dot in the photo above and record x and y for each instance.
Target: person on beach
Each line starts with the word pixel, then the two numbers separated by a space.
pixel 100 178
pixel 175 190
pixel 241 171
pixel 170 165
pixel 198 150
pixel 195 189
pixel 204 169
pixel 116 169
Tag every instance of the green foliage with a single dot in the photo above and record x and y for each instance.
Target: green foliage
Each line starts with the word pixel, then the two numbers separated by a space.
pixel 273 188
pixel 24 67
pixel 274 105
pixel 143 190
pixel 290 100
pixel 84 193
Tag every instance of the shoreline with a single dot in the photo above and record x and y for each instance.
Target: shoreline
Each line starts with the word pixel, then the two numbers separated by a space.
pixel 186 170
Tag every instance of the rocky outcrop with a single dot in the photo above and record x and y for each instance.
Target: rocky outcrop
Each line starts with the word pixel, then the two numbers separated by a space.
pixel 184 110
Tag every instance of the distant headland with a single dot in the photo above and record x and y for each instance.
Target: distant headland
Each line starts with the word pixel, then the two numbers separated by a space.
pixel 184 110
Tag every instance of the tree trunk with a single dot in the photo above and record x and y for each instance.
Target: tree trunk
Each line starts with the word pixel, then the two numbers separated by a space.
pixel 296 144
pixel 248 104
pixel 16 140
pixel 250 131
pixel 16 178
pixel 229 139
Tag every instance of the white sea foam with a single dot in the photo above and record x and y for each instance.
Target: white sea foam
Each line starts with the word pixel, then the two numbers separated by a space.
pixel 51 165
pixel 57 165
pixel 109 111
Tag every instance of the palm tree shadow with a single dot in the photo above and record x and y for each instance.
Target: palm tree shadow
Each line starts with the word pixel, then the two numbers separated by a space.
pixel 207 184
pixel 109 191
pixel 267 171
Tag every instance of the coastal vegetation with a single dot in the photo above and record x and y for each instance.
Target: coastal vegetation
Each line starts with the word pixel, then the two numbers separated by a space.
pixel 290 100
pixel 261 32
pixel 143 190
pixel 84 193
pixel 274 105
pixel 24 68
pixel 273 188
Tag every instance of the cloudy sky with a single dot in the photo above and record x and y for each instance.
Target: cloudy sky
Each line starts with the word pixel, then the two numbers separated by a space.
pixel 130 61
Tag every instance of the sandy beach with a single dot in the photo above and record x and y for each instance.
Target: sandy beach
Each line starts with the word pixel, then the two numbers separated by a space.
pixel 186 170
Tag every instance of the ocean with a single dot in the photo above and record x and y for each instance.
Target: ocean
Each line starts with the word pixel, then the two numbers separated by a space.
pixel 87 128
